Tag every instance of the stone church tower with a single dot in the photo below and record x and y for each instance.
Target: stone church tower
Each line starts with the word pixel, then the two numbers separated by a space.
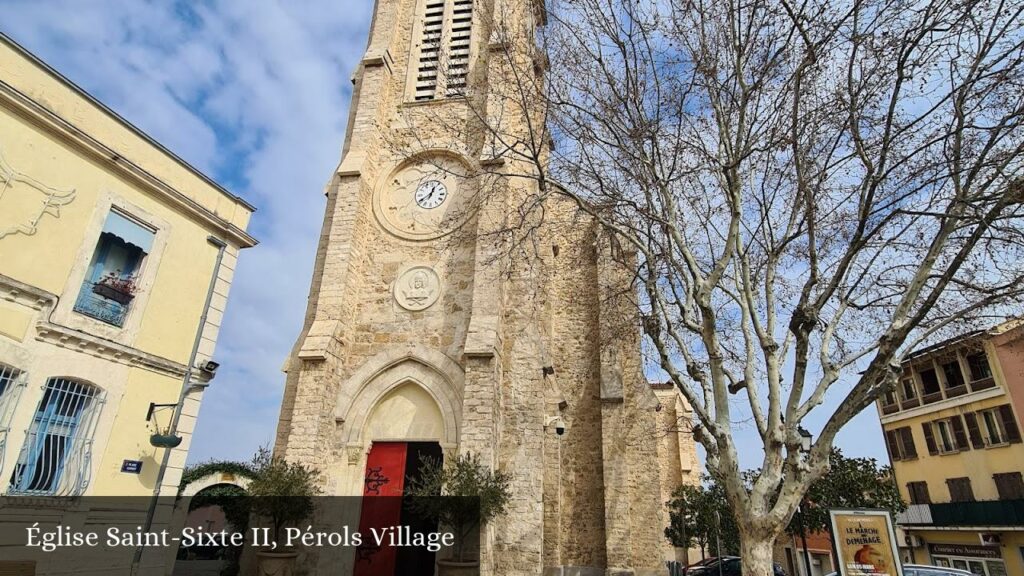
pixel 430 331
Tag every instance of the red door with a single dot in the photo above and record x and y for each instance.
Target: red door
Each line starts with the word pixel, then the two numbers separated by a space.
pixel 383 484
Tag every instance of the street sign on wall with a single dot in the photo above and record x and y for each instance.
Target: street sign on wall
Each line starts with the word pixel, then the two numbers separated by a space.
pixel 865 543
pixel 131 467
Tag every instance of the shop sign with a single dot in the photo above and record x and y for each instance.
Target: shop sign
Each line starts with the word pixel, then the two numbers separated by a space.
pixel 969 550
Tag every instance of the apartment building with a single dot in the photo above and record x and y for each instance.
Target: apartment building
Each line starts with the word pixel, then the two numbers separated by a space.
pixel 116 258
pixel 953 431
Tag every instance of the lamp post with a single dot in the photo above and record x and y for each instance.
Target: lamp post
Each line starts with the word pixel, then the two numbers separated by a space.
pixel 805 448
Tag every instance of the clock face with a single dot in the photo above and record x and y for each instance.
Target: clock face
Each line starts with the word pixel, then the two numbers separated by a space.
pixel 431 194
pixel 424 198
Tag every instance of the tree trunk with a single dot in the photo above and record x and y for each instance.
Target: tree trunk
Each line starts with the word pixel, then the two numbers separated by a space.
pixel 756 553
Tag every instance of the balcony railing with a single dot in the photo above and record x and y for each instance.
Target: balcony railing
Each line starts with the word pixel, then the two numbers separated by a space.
pixel 955 391
pixel 910 403
pixel 983 384
pixel 100 308
pixel 982 513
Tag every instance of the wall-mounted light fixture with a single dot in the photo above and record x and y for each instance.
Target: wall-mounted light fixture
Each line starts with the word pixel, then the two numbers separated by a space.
pixel 164 438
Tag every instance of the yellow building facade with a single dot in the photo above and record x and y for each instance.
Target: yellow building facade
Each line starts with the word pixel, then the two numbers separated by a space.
pixel 953 431
pixel 116 258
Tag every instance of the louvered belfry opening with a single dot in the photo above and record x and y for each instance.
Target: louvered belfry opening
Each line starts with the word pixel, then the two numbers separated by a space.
pixel 443 59
pixel 430 50
pixel 458 54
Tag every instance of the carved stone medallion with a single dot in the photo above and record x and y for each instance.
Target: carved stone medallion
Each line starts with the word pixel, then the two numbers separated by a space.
pixel 417 288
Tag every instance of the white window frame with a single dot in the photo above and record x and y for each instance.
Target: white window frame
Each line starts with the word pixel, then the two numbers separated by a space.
pixel 939 426
pixel 64 314
pixel 938 560
pixel 989 418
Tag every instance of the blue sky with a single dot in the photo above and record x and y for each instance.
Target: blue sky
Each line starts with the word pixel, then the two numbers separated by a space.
pixel 254 93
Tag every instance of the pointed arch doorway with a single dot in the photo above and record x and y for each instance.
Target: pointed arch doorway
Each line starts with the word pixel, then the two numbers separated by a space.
pixel 405 428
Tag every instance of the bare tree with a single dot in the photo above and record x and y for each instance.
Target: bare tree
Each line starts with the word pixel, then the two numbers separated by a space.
pixel 808 190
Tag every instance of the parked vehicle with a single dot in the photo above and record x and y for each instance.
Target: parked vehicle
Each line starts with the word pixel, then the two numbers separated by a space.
pixel 730 566
pixel 700 564
pixel 701 568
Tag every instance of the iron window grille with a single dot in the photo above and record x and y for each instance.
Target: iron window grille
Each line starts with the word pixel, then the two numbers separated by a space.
pixel 57 455
pixel 12 382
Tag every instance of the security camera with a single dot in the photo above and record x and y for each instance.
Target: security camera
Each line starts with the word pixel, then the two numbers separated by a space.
pixel 208 366
pixel 558 423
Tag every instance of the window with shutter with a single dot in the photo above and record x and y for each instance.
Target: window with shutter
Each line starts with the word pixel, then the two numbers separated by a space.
pixel 973 432
pixel 907 443
pixel 929 438
pixel 992 426
pixel 918 492
pixel 892 443
pixel 111 283
pixel 960 489
pixel 1009 485
pixel 959 435
pixel 458 47
pixel 428 63
pixel 1009 424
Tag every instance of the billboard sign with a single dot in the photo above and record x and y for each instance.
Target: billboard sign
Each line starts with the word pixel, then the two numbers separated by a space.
pixel 865 542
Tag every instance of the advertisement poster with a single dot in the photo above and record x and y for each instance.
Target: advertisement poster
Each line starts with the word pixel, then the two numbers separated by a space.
pixel 866 543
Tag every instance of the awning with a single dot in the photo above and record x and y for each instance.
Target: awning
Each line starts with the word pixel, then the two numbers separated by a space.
pixel 129 231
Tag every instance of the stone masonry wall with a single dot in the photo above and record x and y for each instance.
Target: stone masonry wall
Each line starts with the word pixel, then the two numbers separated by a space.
pixel 589 499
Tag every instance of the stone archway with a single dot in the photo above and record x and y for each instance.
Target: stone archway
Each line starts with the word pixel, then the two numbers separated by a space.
pixel 437 375
pixel 212 479
pixel 195 496
pixel 405 393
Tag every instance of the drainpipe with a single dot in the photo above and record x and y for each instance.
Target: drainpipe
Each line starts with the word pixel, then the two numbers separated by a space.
pixel 186 386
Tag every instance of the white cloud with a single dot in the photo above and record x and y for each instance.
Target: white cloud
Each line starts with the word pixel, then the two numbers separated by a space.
pixel 256 94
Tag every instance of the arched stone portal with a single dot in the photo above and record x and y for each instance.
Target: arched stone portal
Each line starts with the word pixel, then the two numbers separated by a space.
pixel 410 394
pixel 213 479
pixel 185 506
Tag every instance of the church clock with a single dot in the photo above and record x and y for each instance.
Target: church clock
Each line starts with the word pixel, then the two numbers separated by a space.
pixel 431 194
pixel 424 198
